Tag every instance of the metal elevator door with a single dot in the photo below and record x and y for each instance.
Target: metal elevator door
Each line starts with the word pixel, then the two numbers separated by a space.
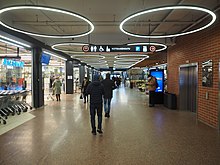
pixel 188 88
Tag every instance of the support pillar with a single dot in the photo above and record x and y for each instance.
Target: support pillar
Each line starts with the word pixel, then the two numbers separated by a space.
pixel 81 73
pixel 37 79
pixel 69 77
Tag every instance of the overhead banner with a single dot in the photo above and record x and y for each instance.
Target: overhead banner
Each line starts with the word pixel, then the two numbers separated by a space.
pixel 119 48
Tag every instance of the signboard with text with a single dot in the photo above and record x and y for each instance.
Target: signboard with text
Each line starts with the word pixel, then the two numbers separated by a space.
pixel 13 63
pixel 119 48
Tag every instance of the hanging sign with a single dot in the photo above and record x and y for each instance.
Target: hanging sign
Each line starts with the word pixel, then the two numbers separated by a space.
pixel 118 48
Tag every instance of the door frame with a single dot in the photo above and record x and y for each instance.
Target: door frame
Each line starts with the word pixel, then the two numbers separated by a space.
pixel 187 66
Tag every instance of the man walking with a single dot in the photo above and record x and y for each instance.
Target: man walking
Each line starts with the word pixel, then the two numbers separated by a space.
pixel 96 91
pixel 109 86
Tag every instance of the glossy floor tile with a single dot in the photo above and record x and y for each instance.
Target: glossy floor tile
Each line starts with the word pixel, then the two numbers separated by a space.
pixel 134 135
pixel 15 121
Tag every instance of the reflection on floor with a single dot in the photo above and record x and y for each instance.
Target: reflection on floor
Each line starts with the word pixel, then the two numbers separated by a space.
pixel 15 121
pixel 134 135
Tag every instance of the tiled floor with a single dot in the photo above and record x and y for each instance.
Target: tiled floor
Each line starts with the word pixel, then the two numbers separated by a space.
pixel 134 135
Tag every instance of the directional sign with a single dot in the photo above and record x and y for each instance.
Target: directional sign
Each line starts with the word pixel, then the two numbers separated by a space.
pixel 118 48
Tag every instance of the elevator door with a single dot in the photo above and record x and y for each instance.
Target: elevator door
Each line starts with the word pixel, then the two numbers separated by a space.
pixel 219 97
pixel 188 88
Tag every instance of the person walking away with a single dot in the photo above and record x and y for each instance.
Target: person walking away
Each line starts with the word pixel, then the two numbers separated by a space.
pixel 151 85
pixel 96 91
pixel 85 84
pixel 57 88
pixel 109 86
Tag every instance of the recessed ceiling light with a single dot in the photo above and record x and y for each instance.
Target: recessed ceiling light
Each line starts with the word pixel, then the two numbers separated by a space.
pixel 44 8
pixel 167 8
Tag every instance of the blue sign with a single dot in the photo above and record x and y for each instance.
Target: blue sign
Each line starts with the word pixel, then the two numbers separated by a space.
pixel 45 58
pixel 159 74
pixel 137 48
pixel 13 63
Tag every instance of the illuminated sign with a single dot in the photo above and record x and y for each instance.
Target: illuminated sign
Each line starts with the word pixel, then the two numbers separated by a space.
pixel 13 63
pixel 118 48
pixel 159 75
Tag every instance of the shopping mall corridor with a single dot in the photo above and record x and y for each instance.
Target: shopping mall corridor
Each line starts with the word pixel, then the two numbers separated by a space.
pixel 135 134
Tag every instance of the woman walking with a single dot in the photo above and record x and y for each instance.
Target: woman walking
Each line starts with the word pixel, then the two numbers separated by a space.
pixel 57 88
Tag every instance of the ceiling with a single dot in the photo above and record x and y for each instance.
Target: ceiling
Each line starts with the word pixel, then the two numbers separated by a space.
pixel 106 17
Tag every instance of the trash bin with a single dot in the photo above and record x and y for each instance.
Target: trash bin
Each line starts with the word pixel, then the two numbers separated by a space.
pixel 170 101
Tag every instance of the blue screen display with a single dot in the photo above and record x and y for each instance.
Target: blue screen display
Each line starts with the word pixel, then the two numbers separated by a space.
pixel 159 74
pixel 45 58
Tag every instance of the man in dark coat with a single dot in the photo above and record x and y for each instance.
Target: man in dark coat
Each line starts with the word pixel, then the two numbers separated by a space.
pixel 109 86
pixel 96 91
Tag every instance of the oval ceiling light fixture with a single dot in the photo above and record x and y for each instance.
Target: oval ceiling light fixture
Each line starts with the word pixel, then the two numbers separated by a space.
pixel 98 63
pixel 119 62
pixel 131 56
pixel 167 8
pixel 66 44
pixel 88 56
pixel 95 62
pixel 163 46
pixel 44 8
pixel 126 60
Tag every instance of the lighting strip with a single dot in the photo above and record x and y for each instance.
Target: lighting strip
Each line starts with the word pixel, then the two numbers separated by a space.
pixel 10 43
pixel 93 61
pixel 127 60
pixel 99 63
pixel 54 55
pixel 139 61
pixel 122 56
pixel 46 9
pixel 164 47
pixel 124 62
pixel 168 8
pixel 84 56
pixel 17 42
pixel 68 44
pixel 15 54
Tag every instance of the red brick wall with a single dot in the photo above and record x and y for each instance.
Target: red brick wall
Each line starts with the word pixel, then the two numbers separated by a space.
pixel 197 48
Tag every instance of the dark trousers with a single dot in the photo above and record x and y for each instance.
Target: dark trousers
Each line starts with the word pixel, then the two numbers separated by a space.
pixel 152 97
pixel 93 109
pixel 85 96
pixel 58 97
pixel 107 105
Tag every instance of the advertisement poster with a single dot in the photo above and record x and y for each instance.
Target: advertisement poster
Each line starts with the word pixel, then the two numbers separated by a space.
pixel 207 73
pixel 159 74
